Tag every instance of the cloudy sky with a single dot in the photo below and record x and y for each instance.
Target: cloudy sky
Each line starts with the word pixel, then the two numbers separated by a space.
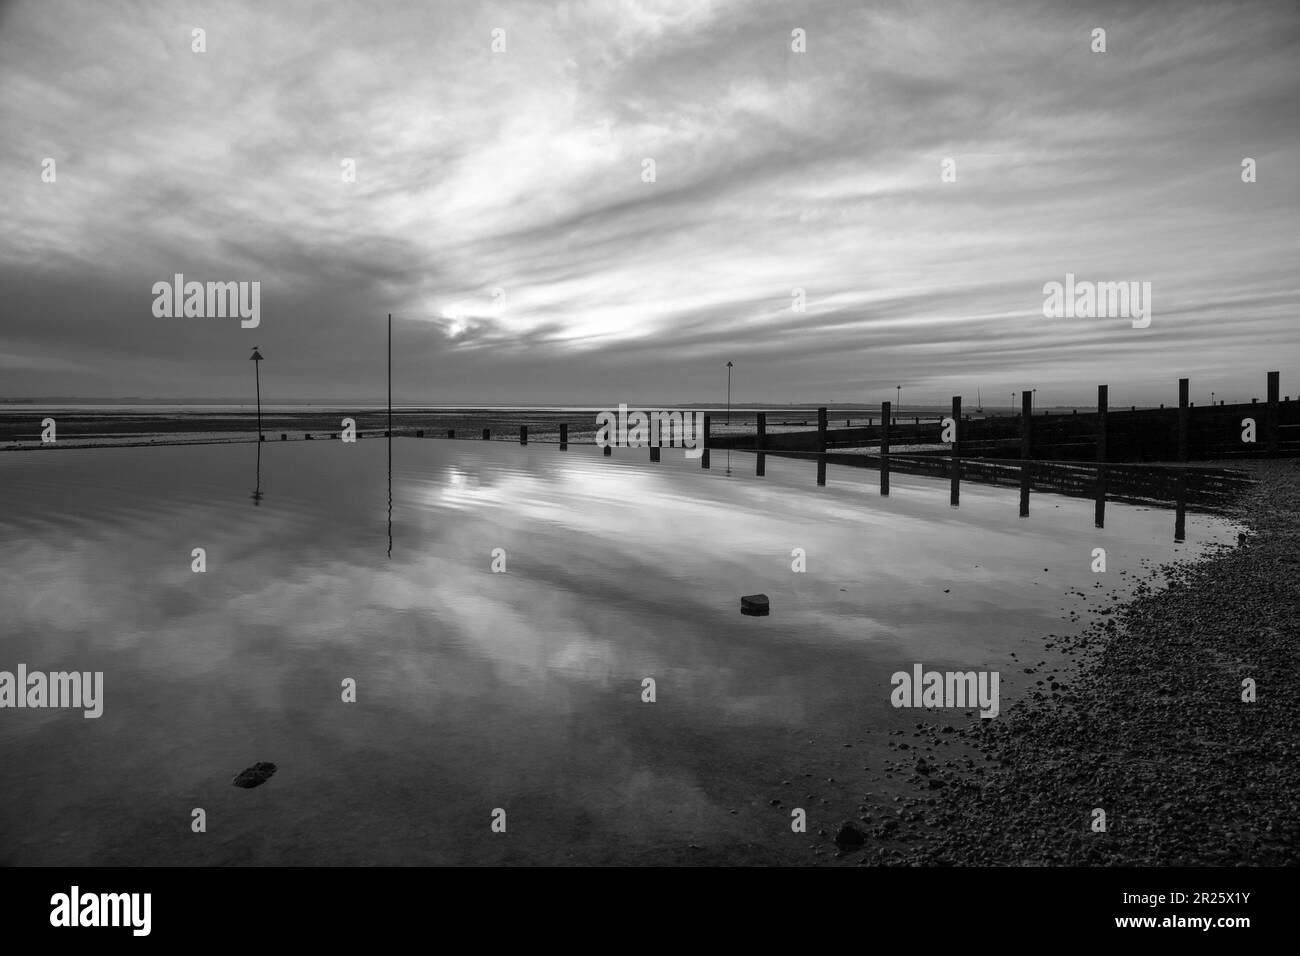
pixel 500 209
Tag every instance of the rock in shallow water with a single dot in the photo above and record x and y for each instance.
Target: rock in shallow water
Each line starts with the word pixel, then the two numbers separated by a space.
pixel 254 776
pixel 754 604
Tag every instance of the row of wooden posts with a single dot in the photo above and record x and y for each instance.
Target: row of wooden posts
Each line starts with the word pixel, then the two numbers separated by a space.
pixel 824 436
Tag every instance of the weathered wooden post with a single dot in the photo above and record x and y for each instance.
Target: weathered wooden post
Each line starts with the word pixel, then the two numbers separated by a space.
pixel 1103 401
pixel 704 440
pixel 523 434
pixel 886 417
pixel 954 493
pixel 1183 390
pixel 762 429
pixel 1026 424
pixel 564 436
pixel 487 434
pixel 1274 387
pixel 956 425
pixel 451 433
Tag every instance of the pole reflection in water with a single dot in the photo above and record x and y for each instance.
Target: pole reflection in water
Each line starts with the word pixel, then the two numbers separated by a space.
pixel 954 495
pixel 884 475
pixel 1024 490
pixel 821 469
pixel 257 492
pixel 390 493
pixel 1099 509
pixel 760 468
pixel 1180 516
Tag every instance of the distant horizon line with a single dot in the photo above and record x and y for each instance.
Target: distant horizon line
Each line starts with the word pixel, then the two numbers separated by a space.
pixel 525 406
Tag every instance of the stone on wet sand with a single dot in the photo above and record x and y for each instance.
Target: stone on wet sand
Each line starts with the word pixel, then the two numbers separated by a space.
pixel 849 835
pixel 254 776
pixel 754 604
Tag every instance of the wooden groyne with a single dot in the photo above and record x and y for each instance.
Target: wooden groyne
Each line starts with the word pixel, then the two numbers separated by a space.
pixel 1180 433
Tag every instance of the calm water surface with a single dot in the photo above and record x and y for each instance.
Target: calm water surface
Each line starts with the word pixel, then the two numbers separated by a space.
pixel 479 690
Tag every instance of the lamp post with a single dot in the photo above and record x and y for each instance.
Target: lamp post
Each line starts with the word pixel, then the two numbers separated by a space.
pixel 728 393
pixel 898 400
pixel 257 379
pixel 1033 400
pixel 1211 399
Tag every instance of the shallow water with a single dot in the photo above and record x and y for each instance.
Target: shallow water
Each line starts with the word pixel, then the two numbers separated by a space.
pixel 479 690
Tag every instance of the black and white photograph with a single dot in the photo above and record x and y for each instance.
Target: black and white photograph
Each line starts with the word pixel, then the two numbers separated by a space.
pixel 650 434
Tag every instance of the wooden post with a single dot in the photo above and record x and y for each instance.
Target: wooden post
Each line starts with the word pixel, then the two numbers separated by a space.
pixel 1026 424
pixel 886 417
pixel 564 435
pixel 821 429
pixel 654 452
pixel 956 425
pixel 704 440
pixel 487 434
pixel 762 430
pixel 1274 387
pixel 523 434
pixel 419 433
pixel 1183 389
pixel 1103 401
pixel 451 433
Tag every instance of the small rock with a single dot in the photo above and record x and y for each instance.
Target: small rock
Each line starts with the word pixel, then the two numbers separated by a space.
pixel 754 604
pixel 254 776
pixel 849 835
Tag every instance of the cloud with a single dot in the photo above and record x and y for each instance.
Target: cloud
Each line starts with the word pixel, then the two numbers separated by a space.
pixel 522 171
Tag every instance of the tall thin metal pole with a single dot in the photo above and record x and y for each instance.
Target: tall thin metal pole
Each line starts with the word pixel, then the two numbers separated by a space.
pixel 390 375
pixel 728 393
pixel 257 379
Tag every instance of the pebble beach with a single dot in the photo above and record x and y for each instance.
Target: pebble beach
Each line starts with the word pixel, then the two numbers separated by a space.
pixel 1151 724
